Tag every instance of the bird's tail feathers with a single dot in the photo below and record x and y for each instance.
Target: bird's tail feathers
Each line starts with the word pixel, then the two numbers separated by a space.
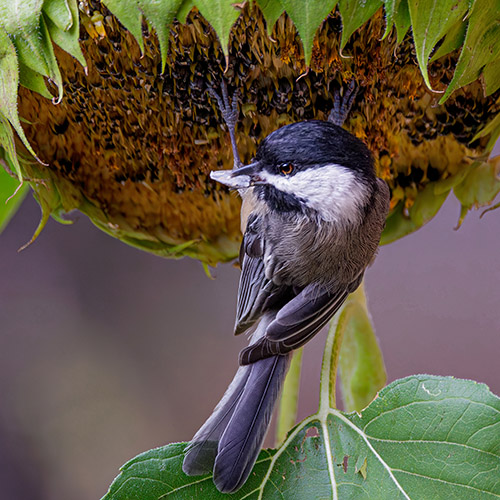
pixel 230 440
pixel 202 450
pixel 242 439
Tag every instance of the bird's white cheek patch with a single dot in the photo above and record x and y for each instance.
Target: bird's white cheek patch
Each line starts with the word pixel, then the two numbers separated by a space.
pixel 333 191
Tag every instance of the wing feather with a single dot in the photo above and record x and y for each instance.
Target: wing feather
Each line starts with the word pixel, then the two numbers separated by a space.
pixel 296 322
pixel 256 293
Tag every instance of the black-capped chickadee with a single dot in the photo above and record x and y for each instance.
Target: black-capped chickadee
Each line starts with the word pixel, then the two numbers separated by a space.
pixel 312 215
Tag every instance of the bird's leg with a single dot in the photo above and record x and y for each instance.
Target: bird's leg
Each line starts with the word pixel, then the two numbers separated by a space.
pixel 229 111
pixel 342 104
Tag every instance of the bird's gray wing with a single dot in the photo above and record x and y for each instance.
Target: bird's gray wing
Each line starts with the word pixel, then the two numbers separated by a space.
pixel 256 293
pixel 298 321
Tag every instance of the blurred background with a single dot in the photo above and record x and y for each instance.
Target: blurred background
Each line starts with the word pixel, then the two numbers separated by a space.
pixel 106 351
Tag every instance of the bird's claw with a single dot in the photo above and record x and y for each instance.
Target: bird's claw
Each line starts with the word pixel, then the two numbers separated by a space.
pixel 342 104
pixel 230 114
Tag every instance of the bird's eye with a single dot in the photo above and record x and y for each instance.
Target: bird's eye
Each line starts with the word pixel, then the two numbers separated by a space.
pixel 286 168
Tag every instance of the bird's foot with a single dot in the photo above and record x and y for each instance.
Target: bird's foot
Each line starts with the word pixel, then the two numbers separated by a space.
pixel 342 104
pixel 230 113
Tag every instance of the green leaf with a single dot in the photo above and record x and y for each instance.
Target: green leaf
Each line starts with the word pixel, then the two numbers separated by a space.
pixel 20 16
pixel 8 207
pixel 68 38
pixel 428 202
pixel 362 370
pixel 492 129
pixel 23 22
pixel 272 10
pixel 307 17
pixel 8 147
pixel 60 13
pixel 453 40
pixel 221 14
pixel 423 437
pixel 431 20
pixel 47 51
pixel 491 74
pixel 481 46
pixel 287 414
pixel 479 187
pixel 8 89
pixel 160 15
pixel 426 205
pixel 481 184
pixel 354 15
pixel 397 225
pixel 184 10
pixel 397 13
pixel 129 15
pixel 34 81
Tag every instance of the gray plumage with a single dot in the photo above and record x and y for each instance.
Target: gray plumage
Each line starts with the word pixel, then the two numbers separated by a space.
pixel 312 215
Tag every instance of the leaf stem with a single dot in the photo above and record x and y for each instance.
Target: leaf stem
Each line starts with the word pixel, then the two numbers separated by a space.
pixel 328 367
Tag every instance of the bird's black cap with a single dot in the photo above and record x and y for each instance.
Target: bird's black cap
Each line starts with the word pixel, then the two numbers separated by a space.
pixel 315 143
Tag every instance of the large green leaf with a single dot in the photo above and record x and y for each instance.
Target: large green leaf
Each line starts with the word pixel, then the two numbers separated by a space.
pixel 431 20
pixel 20 17
pixel 423 437
pixel 426 205
pixel 355 14
pixel 307 17
pixel 481 46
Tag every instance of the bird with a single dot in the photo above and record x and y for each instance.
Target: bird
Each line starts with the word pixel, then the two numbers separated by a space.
pixel 312 215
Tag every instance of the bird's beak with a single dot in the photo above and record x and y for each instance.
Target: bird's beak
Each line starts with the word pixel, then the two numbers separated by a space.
pixel 239 178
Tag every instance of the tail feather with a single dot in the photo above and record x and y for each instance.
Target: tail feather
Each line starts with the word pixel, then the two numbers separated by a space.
pixel 230 440
pixel 242 439
pixel 201 452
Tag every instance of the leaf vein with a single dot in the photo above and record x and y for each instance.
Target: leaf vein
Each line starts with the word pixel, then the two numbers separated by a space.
pixel 412 403
pixel 447 482
pixel 482 429
pixel 283 447
pixel 430 441
pixel 365 438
